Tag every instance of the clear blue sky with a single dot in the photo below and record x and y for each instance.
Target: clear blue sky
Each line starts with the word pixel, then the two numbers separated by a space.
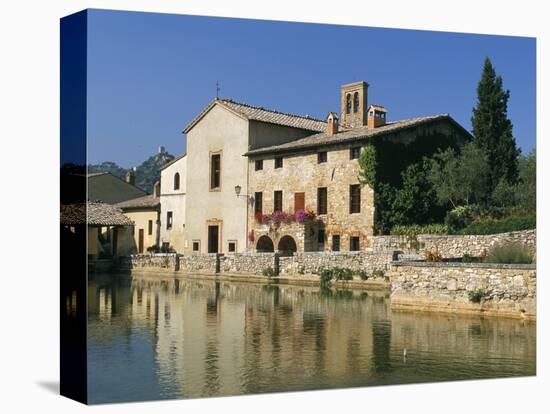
pixel 150 74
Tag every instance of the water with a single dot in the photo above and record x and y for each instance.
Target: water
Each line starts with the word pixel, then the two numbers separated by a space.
pixel 160 337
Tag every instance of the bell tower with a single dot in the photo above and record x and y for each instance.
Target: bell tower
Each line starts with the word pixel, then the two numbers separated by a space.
pixel 354 104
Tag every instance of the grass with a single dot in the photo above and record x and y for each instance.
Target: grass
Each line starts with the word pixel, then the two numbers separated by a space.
pixel 475 296
pixel 494 226
pixel 509 253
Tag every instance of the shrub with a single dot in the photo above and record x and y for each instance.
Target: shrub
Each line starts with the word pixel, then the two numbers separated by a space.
pixel 510 253
pixel 153 249
pixel 493 226
pixel 378 273
pixel 325 277
pixel 269 272
pixel 461 216
pixel 475 296
pixel 414 229
pixel 363 275
pixel 433 256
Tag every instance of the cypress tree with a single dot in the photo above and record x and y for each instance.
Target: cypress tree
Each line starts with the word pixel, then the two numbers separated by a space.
pixel 492 129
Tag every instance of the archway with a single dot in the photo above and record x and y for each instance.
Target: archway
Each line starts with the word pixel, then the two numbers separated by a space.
pixel 264 245
pixel 287 245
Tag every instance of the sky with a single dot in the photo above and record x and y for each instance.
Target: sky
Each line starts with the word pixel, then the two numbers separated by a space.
pixel 149 74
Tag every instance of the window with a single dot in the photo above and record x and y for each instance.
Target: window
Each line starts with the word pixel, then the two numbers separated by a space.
pixel 321 157
pixel 322 200
pixel 259 165
pixel 177 181
pixel 278 162
pixel 354 198
pixel 258 203
pixel 354 244
pixel 168 220
pixel 354 153
pixel 196 245
pixel 355 102
pixel 278 201
pixel 335 243
pixel 321 237
pixel 299 201
pixel 215 171
pixel 348 103
pixel 150 228
pixel 232 246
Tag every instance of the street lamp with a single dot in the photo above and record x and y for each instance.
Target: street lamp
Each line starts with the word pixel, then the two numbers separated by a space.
pixel 238 190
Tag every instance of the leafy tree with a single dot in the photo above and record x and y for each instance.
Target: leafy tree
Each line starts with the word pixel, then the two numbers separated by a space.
pixel 460 179
pixel 416 201
pixel 492 129
pixel 367 166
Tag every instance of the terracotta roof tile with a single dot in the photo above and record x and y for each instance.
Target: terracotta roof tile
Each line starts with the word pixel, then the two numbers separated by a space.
pixel 148 201
pixel 256 113
pixel 94 214
pixel 350 135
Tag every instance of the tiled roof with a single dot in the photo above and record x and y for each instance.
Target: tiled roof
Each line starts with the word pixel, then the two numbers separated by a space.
pixel 93 214
pixel 350 135
pixel 256 113
pixel 148 201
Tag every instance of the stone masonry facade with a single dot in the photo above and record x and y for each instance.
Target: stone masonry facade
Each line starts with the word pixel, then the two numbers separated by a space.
pixel 302 173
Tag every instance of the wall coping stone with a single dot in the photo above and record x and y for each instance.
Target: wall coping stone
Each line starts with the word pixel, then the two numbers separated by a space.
pixel 465 265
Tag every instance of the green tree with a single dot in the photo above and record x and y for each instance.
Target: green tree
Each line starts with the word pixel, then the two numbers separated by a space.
pixel 460 179
pixel 367 166
pixel 492 129
pixel 416 201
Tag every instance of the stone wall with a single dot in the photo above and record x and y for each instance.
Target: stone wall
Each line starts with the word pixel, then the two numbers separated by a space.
pixel 247 262
pixel 156 262
pixel 506 290
pixel 478 245
pixel 198 263
pixel 313 262
pixel 453 246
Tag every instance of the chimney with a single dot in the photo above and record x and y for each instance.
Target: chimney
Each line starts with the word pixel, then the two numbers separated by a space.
pixel 376 116
pixel 332 124
pixel 156 190
pixel 131 177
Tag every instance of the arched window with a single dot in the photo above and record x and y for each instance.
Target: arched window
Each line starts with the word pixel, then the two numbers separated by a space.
pixel 177 181
pixel 355 101
pixel 348 103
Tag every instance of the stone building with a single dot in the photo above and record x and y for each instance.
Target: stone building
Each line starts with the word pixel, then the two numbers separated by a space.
pixel 172 200
pixel 318 174
pixel 244 162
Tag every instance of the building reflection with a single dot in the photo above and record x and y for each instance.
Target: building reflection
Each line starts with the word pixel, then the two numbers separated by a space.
pixel 213 338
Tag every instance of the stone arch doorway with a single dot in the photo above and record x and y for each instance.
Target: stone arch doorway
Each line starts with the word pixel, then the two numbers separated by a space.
pixel 264 245
pixel 287 245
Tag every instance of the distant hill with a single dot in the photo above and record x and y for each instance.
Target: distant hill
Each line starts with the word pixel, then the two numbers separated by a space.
pixel 147 173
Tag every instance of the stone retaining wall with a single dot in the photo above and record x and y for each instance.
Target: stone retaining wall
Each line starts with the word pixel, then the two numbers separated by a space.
pixel 313 262
pixel 458 246
pixel 204 262
pixel 506 290
pixel 247 262
pixel 453 246
pixel 157 262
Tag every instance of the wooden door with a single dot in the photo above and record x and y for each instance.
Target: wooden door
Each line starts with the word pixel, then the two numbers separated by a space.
pixel 140 241
pixel 299 201
pixel 213 232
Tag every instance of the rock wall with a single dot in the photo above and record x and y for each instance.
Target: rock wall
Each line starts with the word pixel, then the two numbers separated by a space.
pixel 453 246
pixel 478 245
pixel 198 263
pixel 156 262
pixel 504 290
pixel 247 262
pixel 313 262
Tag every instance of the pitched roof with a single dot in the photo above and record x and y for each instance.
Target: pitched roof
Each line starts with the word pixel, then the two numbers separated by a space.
pixel 93 214
pixel 148 201
pixel 169 163
pixel 256 113
pixel 350 135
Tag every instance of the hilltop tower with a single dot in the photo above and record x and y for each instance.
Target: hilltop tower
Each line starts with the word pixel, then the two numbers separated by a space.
pixel 354 104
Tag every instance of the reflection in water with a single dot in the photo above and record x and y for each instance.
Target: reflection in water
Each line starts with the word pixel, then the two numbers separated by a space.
pixel 151 338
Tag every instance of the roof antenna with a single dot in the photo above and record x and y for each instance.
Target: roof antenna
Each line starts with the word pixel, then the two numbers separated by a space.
pixel 217 90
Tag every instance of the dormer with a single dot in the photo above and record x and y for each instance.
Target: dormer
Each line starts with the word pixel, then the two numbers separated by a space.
pixel 376 116
pixel 332 123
